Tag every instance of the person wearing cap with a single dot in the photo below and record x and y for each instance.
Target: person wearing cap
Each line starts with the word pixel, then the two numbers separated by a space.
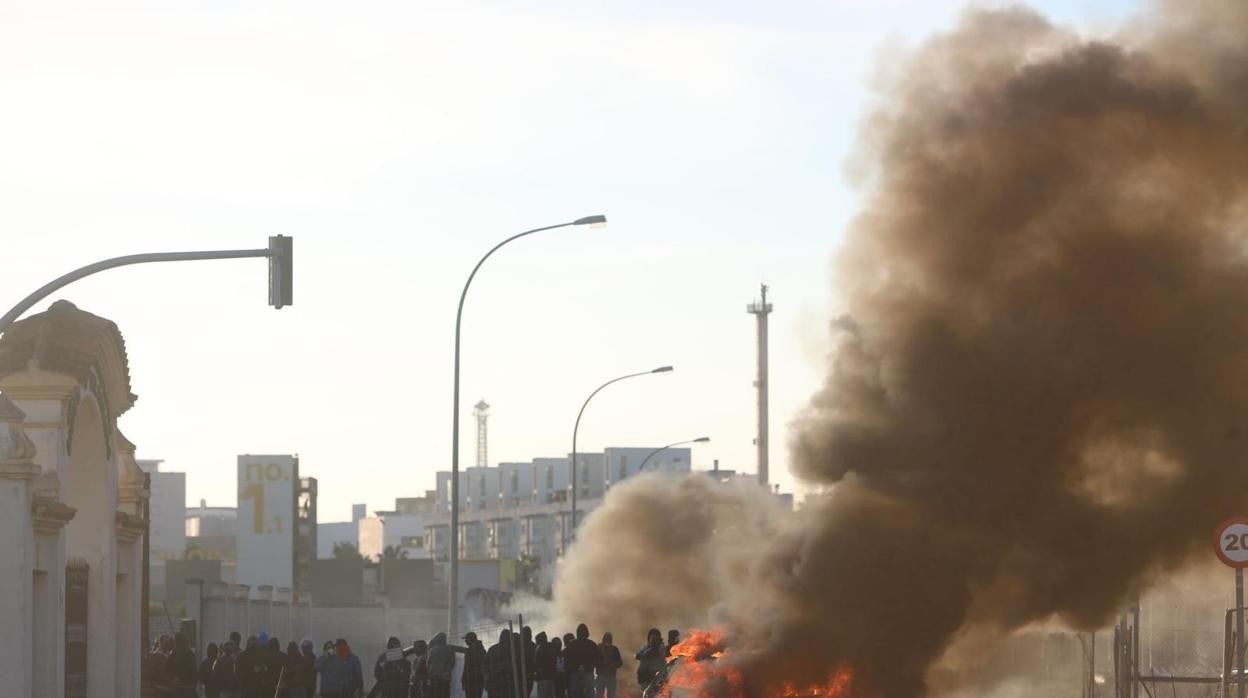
pixel 341 673
pixel 393 672
pixel 473 677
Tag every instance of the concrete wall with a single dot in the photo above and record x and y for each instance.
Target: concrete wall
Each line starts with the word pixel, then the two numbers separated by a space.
pixel 409 583
pixel 338 582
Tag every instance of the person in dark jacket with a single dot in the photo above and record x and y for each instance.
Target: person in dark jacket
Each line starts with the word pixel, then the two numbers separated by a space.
pixel 183 672
pixel 341 673
pixel 251 668
pixel 561 666
pixel 307 666
pixel 294 682
pixel 441 666
pixel 156 681
pixel 274 668
pixel 393 672
pixel 652 660
pixel 472 679
pixel 609 661
pixel 225 672
pixel 544 657
pixel 530 659
pixel 211 690
pixel 500 681
pixel 582 661
pixel 419 653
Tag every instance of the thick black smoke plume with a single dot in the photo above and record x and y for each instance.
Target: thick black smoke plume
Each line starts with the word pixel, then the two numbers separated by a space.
pixel 1038 396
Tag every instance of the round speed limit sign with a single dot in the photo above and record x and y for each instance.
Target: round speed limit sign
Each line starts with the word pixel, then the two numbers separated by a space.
pixel 1232 542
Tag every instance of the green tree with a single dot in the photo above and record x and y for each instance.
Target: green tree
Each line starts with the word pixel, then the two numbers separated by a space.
pixel 347 551
pixel 393 552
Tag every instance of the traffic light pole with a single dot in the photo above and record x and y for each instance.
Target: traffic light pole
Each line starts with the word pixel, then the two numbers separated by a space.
pixel 279 252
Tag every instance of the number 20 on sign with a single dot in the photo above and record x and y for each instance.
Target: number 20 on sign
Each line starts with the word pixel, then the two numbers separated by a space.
pixel 1232 543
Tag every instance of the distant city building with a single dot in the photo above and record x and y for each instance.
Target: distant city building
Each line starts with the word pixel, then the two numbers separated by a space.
pixel 334 533
pixel 210 521
pixel 168 512
pixel 371 536
pixel 305 532
pixel 266 525
pixel 520 510
pixel 404 526
pixel 210 535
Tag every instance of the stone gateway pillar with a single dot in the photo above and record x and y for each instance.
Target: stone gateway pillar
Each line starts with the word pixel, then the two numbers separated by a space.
pixel 68 492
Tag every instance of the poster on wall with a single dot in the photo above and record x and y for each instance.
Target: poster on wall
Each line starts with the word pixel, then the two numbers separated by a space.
pixel 268 487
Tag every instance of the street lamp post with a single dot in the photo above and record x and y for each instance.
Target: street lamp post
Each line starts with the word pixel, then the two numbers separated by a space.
pixel 279 252
pixel 453 582
pixel 575 429
pixel 657 451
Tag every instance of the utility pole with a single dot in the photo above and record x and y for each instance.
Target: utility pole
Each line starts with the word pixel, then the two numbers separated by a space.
pixel 760 310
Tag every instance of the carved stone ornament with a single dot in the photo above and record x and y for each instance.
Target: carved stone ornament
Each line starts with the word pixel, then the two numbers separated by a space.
pixel 17 451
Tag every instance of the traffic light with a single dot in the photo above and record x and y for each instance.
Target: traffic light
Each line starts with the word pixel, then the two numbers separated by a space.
pixel 281 271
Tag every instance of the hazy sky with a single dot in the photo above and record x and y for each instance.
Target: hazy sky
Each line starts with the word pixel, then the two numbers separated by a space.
pixel 398 141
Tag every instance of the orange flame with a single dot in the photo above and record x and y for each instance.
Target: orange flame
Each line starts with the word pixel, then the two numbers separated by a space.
pixel 700 674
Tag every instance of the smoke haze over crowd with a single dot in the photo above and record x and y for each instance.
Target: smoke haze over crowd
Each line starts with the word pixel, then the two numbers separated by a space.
pixel 1037 399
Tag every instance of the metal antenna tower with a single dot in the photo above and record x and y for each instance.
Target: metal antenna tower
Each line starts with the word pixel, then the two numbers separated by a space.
pixel 482 412
pixel 761 309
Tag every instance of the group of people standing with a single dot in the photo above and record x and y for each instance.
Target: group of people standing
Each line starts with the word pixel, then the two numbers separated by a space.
pixel 519 665
pixel 259 670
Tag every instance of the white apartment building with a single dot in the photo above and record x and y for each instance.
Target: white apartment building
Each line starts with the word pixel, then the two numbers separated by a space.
pixel 524 509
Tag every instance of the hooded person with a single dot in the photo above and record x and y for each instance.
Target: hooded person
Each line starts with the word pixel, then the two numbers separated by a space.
pixel 561 665
pixel 295 679
pixel 500 681
pixel 530 659
pixel 183 669
pixel 472 679
pixel 340 672
pixel 393 672
pixel 441 666
pixel 545 657
pixel 609 661
pixel 307 665
pixel 251 668
pixel 652 660
pixel 274 668
pixel 582 662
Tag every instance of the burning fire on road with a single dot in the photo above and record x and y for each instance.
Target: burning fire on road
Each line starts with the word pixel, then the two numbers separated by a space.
pixel 702 666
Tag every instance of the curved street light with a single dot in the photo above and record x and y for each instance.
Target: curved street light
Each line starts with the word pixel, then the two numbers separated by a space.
pixel 661 369
pixel 453 585
pixel 657 451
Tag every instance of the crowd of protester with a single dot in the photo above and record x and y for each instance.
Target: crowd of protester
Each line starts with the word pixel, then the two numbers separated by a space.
pixel 571 666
